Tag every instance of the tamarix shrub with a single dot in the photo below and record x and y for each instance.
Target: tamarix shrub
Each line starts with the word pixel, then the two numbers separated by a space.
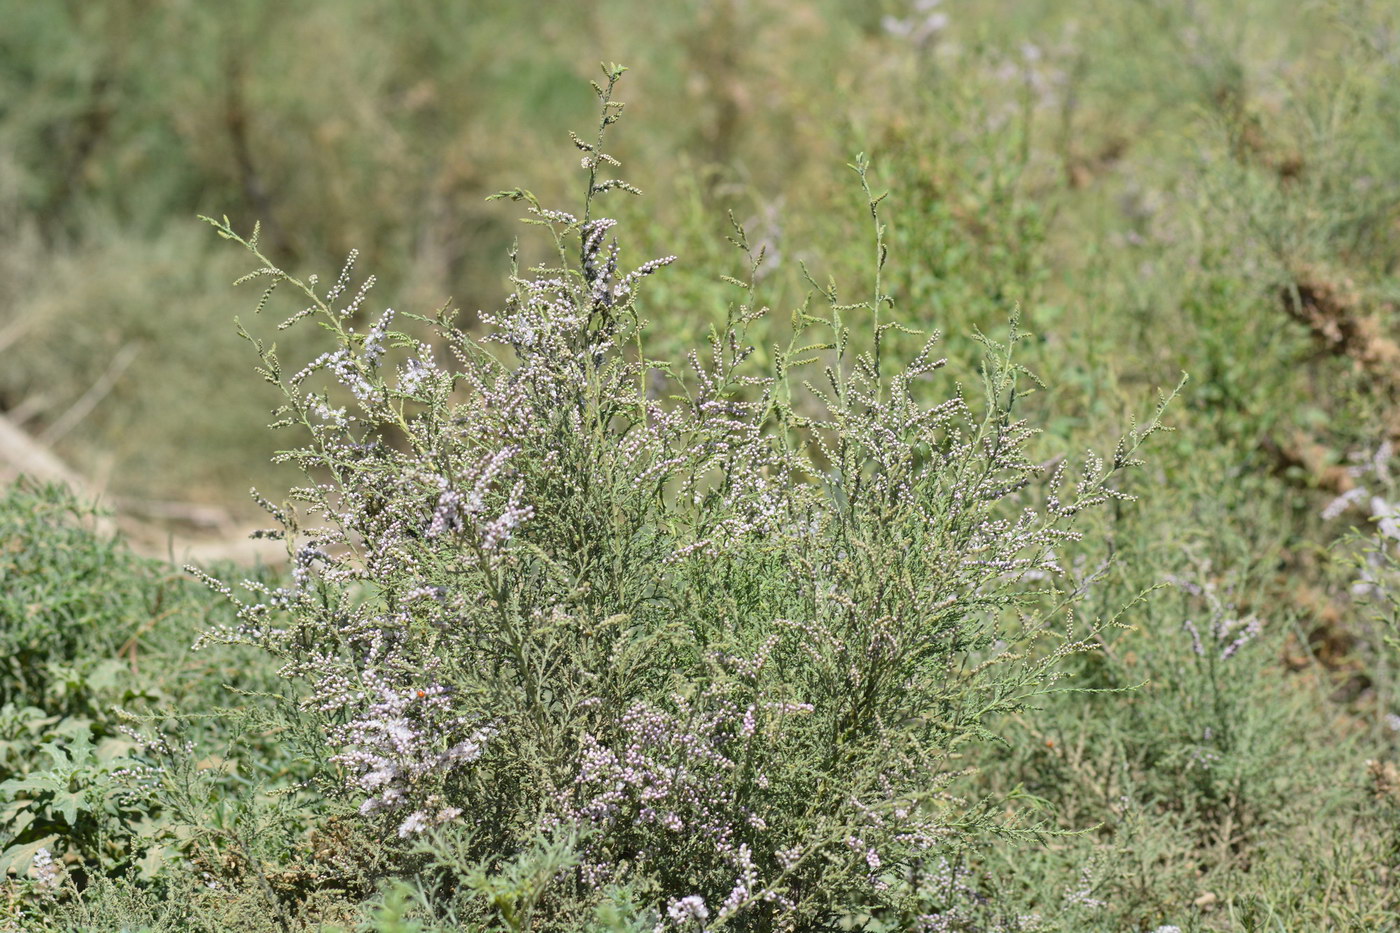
pixel 690 644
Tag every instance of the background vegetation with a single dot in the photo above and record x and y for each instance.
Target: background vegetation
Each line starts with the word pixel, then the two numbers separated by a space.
pixel 1157 186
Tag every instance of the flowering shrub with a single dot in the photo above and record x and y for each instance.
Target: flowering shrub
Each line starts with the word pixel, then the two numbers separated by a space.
pixel 720 631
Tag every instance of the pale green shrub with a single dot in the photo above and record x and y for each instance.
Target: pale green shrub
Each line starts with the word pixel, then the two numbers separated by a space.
pixel 704 637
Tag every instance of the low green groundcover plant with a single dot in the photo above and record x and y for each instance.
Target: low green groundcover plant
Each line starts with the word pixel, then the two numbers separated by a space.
pixel 577 638
pixel 92 634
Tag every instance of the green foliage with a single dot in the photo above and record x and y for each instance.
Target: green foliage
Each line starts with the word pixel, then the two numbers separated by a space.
pixel 90 630
pixel 1156 186
pixel 76 613
pixel 60 645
